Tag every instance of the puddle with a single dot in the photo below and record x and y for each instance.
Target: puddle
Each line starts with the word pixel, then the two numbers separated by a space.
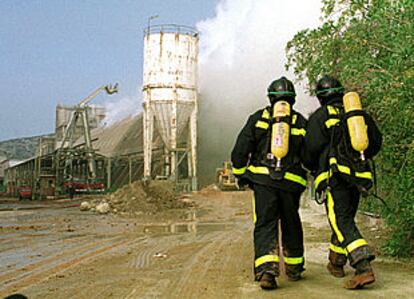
pixel 177 228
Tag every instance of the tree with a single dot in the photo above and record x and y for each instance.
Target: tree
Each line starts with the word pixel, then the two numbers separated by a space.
pixel 369 46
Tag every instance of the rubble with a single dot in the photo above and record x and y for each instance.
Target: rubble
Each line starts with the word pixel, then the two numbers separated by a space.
pixel 85 206
pixel 103 208
pixel 139 198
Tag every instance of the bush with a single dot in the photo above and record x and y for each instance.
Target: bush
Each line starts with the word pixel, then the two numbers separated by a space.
pixel 369 46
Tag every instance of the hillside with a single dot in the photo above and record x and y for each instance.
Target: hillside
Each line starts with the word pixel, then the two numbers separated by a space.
pixel 20 148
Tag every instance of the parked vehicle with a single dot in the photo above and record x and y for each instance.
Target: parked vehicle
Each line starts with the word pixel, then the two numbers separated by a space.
pixel 25 192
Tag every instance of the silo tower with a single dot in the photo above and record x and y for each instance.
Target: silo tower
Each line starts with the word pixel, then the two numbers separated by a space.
pixel 170 100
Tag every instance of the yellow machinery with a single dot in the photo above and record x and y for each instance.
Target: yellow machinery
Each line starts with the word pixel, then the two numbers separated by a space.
pixel 356 123
pixel 225 179
pixel 280 131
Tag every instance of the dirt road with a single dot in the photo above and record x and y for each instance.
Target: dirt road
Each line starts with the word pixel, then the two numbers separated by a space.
pixel 56 251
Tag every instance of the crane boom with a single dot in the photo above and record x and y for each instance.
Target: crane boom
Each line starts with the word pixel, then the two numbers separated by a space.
pixel 81 112
pixel 108 88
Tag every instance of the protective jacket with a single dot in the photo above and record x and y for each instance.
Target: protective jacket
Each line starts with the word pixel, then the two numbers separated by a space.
pixel 250 153
pixel 325 155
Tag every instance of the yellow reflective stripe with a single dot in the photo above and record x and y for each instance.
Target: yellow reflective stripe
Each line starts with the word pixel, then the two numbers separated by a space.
pixel 262 124
pixel 344 169
pixel 239 171
pixel 266 114
pixel 356 244
pixel 258 169
pixel 266 259
pixel 347 170
pixel 294 118
pixel 288 175
pixel 295 131
pixel 332 110
pixel 341 168
pixel 337 249
pixel 293 260
pixel 364 175
pixel 321 177
pixel 331 122
pixel 254 209
pixel 295 178
pixel 332 217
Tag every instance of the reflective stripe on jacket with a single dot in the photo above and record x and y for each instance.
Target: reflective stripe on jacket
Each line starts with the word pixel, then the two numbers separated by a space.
pixel 253 144
pixel 325 161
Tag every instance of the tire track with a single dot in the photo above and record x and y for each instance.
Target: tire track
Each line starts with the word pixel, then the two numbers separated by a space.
pixel 145 256
pixel 196 269
pixel 45 269
pixel 78 249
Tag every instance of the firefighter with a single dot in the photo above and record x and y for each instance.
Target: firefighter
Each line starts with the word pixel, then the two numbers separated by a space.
pixel 340 177
pixel 277 185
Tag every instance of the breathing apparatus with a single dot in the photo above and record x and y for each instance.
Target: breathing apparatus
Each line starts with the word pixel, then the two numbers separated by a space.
pixel 281 93
pixel 355 122
pixel 279 146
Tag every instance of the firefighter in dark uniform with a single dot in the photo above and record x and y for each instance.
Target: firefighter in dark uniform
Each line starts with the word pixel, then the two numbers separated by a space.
pixel 340 177
pixel 276 192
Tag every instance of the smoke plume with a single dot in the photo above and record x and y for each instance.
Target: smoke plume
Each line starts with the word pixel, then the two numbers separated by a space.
pixel 119 109
pixel 242 49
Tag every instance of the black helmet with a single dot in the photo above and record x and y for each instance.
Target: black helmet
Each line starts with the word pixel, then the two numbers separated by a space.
pixel 329 88
pixel 281 89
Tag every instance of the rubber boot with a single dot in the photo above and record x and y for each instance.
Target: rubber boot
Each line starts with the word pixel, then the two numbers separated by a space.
pixel 336 271
pixel 336 264
pixel 268 281
pixel 293 272
pixel 363 276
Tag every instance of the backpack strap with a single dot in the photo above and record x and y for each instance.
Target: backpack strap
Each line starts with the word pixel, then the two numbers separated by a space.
pixel 334 116
pixel 353 113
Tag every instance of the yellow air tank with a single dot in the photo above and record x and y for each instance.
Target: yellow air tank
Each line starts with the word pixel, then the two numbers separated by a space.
pixel 280 131
pixel 356 124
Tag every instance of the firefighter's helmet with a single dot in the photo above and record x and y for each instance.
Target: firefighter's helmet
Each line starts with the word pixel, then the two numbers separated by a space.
pixel 281 89
pixel 328 88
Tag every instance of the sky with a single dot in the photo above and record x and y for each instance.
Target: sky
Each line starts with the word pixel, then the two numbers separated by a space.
pixel 59 51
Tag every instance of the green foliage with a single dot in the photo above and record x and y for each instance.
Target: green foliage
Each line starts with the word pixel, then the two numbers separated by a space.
pixel 369 46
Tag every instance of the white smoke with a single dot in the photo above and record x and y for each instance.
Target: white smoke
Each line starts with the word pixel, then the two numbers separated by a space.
pixel 242 49
pixel 119 109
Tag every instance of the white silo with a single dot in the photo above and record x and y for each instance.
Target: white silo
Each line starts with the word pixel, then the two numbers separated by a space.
pixel 170 98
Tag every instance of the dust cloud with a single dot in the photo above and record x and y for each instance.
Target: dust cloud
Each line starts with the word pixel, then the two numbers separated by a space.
pixel 242 49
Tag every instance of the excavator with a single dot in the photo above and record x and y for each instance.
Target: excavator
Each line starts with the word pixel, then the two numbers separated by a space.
pixel 225 179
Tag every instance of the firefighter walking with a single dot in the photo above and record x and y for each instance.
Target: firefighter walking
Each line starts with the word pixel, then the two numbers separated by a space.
pixel 340 140
pixel 267 157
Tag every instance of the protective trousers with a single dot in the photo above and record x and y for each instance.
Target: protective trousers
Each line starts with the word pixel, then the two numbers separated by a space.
pixel 270 205
pixel 346 240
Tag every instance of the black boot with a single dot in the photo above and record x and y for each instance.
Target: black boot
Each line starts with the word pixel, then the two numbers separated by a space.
pixel 293 272
pixel 268 281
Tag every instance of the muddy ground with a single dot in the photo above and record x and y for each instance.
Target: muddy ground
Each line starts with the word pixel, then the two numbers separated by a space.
pixel 54 250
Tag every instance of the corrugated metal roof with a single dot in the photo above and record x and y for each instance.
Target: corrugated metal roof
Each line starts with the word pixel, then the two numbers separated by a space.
pixel 121 138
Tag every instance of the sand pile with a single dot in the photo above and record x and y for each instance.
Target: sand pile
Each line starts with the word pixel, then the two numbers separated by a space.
pixel 139 198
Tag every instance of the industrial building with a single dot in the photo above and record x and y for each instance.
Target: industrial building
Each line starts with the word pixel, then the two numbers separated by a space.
pixel 160 143
pixel 170 98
